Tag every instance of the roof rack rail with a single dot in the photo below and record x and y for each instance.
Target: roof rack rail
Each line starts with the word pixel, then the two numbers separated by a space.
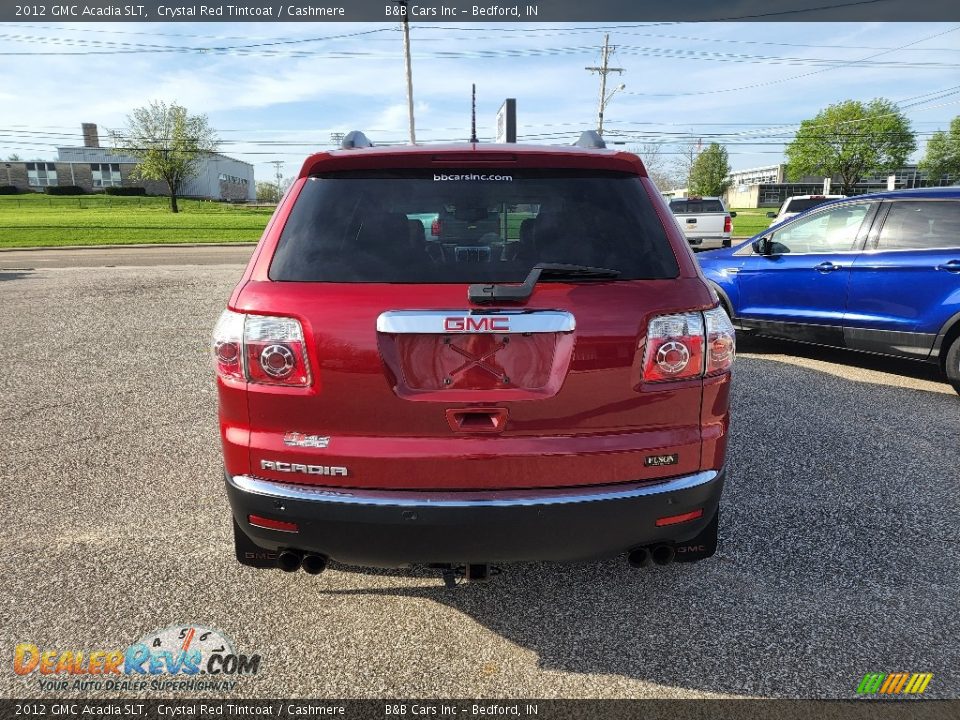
pixel 590 139
pixel 355 139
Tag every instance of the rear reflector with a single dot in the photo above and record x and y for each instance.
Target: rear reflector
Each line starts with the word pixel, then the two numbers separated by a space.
pixel 268 524
pixel 677 519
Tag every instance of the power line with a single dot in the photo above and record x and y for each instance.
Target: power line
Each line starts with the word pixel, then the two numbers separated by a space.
pixel 798 77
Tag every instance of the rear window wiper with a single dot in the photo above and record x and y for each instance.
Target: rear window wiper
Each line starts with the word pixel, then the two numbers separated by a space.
pixel 485 293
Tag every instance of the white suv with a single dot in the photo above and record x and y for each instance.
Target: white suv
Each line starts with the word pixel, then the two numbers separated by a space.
pixel 796 204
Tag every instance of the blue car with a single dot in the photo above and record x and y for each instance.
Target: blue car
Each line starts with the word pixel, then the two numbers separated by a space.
pixel 878 273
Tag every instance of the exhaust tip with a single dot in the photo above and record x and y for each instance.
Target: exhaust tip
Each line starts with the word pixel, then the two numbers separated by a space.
pixel 639 558
pixel 314 564
pixel 663 554
pixel 288 560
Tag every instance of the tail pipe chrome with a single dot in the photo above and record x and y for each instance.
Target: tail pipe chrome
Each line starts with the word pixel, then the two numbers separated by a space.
pixel 654 555
pixel 289 560
pixel 663 554
pixel 314 564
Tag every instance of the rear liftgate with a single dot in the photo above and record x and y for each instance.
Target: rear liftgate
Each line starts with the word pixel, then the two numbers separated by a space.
pixel 480 357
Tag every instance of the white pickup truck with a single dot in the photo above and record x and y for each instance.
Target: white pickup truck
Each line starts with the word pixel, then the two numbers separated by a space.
pixel 704 220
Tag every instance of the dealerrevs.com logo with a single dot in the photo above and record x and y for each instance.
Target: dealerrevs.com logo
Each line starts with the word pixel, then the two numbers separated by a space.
pixel 443 177
pixel 179 657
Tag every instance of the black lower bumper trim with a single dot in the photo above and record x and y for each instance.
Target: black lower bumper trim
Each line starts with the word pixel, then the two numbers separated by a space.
pixel 393 529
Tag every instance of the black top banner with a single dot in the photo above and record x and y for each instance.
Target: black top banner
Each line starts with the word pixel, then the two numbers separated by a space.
pixel 456 11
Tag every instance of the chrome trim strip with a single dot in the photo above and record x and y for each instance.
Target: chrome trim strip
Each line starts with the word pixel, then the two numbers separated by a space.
pixel 435 322
pixel 452 499
pixel 879 250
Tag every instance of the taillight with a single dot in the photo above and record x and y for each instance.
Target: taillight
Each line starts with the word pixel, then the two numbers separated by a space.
pixel 674 347
pixel 728 224
pixel 435 228
pixel 228 345
pixel 260 349
pixel 721 341
pixel 274 351
pixel 688 345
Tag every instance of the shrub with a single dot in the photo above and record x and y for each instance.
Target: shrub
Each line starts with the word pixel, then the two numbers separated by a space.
pixel 8 190
pixel 114 190
pixel 64 190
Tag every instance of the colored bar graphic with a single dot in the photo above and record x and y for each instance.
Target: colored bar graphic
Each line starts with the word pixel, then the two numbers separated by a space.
pixel 922 680
pixel 894 683
pixel 871 683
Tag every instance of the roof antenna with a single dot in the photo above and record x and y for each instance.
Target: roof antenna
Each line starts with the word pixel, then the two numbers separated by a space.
pixel 473 113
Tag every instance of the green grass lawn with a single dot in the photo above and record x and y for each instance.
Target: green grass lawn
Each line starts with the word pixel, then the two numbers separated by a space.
pixel 47 221
pixel 750 221
pixel 35 220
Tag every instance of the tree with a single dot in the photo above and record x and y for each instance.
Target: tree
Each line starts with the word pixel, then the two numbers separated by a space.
pixel 13 158
pixel 168 142
pixel 942 159
pixel 710 170
pixel 267 192
pixel 849 140
pixel 655 162
pixel 683 164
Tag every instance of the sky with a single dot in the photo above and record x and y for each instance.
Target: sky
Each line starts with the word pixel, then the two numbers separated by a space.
pixel 278 91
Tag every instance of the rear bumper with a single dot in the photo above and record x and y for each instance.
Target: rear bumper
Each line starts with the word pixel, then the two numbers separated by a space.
pixel 709 243
pixel 396 528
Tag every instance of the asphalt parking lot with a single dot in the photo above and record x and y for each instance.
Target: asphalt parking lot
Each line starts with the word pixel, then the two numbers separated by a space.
pixel 839 548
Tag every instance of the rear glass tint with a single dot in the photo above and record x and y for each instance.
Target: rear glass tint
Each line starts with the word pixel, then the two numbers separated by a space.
pixel 800 205
pixel 692 207
pixel 455 226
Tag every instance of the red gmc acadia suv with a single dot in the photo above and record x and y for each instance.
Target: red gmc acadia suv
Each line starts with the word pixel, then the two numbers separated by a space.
pixel 466 354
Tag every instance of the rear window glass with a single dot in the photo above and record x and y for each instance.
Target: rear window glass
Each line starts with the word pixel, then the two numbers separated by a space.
pixel 802 204
pixel 688 207
pixel 455 226
pixel 916 225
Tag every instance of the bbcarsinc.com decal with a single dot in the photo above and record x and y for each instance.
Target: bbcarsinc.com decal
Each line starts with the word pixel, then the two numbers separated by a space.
pixel 179 657
pixel 444 177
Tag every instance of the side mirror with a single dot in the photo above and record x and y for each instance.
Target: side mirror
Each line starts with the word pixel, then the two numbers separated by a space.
pixel 771 214
pixel 763 246
pixel 733 214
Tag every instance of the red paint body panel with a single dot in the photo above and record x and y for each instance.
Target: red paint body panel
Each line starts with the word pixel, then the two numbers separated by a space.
pixel 479 155
pixel 576 411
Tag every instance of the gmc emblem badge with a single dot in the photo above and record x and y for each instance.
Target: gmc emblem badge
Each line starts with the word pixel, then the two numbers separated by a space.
pixel 476 324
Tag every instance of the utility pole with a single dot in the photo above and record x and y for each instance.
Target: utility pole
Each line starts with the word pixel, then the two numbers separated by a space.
pixel 605 70
pixel 278 164
pixel 409 70
pixel 473 114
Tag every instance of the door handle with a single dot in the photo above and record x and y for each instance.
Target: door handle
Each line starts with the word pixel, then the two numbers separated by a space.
pixel 952 266
pixel 477 420
pixel 826 267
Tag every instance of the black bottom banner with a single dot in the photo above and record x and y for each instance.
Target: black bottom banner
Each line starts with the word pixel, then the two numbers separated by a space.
pixel 485 709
